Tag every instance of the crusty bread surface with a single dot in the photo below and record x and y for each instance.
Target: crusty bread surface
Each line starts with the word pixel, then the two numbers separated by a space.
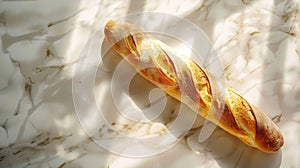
pixel 179 74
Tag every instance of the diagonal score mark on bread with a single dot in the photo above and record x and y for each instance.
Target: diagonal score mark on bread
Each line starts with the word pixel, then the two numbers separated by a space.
pixel 179 75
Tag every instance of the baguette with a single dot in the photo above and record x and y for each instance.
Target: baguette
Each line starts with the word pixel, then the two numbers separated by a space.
pixel 175 75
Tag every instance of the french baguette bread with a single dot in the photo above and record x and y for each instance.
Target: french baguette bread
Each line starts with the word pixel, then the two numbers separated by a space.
pixel 181 74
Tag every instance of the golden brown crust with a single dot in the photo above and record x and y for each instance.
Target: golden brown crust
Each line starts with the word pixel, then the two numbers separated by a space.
pixel 239 118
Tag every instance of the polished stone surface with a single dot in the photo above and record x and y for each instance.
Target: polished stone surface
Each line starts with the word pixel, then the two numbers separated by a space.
pixel 258 43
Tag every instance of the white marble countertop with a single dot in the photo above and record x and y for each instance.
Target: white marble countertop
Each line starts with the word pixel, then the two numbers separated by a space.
pixel 257 41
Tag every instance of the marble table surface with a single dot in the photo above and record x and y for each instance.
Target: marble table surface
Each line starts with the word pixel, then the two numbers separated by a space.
pixel 45 120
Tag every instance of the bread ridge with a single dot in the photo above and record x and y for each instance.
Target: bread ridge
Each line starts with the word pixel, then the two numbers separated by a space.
pixel 239 118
